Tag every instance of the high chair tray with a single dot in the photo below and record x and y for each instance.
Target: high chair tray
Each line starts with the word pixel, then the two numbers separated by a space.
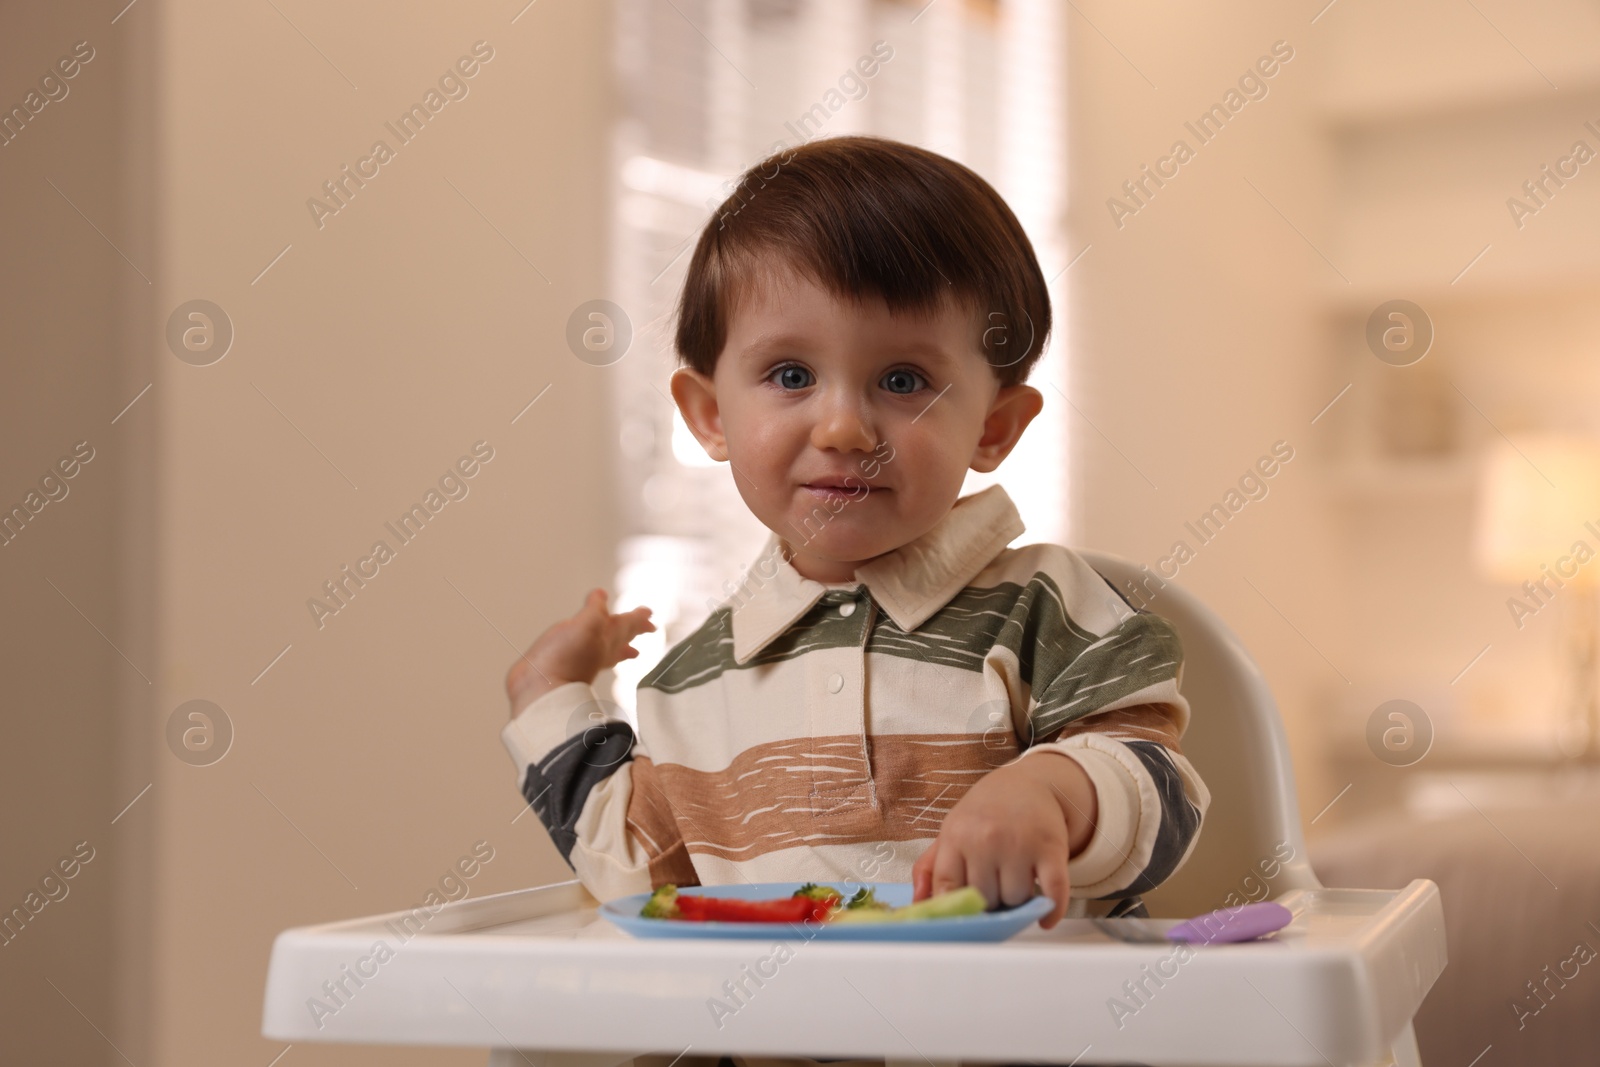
pixel 541 969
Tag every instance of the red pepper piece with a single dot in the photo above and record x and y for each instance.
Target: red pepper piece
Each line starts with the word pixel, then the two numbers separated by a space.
pixel 729 909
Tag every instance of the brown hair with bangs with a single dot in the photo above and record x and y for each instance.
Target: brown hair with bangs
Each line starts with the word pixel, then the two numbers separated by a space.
pixel 868 216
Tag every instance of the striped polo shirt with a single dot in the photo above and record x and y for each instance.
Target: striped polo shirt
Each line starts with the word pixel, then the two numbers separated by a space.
pixel 811 731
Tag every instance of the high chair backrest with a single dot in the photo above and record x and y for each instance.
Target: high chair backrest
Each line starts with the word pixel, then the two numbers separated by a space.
pixel 1236 742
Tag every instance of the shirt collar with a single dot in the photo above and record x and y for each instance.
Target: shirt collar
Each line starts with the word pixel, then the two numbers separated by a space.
pixel 911 583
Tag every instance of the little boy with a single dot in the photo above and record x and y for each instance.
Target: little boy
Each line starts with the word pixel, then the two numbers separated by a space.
pixel 890 693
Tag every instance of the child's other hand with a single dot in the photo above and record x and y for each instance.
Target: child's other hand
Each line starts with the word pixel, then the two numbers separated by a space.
pixel 575 650
pixel 1019 823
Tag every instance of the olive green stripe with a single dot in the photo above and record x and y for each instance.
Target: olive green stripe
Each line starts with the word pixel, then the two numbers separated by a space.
pixel 1141 652
pixel 1030 620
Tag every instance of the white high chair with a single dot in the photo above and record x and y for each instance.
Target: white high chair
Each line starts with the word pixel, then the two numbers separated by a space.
pixel 538 976
pixel 1236 741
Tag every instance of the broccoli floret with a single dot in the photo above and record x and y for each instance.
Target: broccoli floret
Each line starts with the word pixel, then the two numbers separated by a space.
pixel 866 898
pixel 820 892
pixel 663 903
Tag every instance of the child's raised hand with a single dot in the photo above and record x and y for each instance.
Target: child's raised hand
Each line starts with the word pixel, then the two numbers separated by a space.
pixel 576 649
pixel 1018 823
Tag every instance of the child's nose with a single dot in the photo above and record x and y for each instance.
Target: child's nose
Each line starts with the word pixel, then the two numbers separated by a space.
pixel 843 426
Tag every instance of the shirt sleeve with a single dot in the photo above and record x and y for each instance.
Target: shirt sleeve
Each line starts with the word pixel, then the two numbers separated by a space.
pixel 1107 695
pixel 593 785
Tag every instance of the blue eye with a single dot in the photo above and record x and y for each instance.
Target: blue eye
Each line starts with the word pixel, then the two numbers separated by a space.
pixel 792 376
pixel 901 375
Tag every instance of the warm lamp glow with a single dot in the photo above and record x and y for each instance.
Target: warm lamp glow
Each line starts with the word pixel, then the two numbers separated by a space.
pixel 1537 494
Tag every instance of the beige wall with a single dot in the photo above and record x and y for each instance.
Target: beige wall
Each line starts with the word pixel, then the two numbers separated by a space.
pixel 1229 311
pixel 63 308
pixel 1193 324
pixel 395 337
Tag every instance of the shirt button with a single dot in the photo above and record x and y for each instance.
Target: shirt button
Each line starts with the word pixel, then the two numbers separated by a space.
pixel 835 683
pixel 848 608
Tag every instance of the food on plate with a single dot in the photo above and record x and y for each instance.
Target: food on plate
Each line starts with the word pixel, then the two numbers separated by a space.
pixel 820 892
pixel 967 900
pixel 810 902
pixel 866 898
pixel 668 903
pixel 663 904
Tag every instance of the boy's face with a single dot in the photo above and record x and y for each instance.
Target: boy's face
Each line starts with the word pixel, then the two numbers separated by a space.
pixel 812 391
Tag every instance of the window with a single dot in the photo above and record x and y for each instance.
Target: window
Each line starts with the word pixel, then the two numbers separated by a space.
pixel 706 88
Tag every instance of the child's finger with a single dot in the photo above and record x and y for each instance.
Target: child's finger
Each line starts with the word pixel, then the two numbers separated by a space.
pixel 984 876
pixel 638 620
pixel 1056 884
pixel 1016 879
pixel 922 872
pixel 622 629
pixel 949 871
pixel 594 607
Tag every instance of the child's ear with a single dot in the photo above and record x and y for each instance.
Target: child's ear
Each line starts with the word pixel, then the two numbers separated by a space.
pixel 696 397
pixel 1014 406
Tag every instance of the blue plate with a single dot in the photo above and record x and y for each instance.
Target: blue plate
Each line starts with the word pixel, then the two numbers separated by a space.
pixel 989 926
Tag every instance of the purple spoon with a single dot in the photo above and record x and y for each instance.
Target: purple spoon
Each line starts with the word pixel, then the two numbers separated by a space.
pixel 1243 923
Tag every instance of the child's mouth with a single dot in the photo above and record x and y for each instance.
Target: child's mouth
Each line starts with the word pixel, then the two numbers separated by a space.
pixel 849 492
